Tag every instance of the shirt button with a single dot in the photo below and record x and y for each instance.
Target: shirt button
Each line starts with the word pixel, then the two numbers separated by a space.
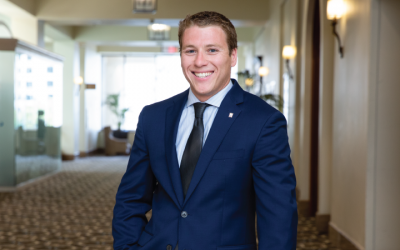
pixel 169 247
pixel 184 214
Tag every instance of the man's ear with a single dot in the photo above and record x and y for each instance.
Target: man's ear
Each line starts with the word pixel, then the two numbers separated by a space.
pixel 234 57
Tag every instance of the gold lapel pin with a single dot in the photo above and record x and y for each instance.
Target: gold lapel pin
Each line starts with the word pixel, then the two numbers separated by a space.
pixel 230 115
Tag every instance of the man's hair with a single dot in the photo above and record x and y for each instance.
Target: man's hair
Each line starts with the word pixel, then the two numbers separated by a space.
pixel 209 18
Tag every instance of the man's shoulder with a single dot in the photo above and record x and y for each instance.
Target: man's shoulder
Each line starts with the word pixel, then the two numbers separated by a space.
pixel 161 106
pixel 258 106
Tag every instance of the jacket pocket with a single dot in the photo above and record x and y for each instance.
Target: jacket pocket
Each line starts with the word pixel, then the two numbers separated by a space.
pixel 144 238
pixel 222 155
pixel 240 247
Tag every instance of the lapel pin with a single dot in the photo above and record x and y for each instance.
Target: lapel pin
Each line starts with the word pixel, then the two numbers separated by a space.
pixel 230 115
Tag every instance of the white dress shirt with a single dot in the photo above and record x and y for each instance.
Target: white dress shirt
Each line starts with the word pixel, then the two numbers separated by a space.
pixel 187 118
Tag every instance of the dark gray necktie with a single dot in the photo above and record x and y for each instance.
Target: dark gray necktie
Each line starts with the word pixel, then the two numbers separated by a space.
pixel 193 147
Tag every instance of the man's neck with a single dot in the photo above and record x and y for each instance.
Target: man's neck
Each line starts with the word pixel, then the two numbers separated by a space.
pixel 205 98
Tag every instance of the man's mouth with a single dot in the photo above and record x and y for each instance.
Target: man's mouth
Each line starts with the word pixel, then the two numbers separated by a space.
pixel 203 74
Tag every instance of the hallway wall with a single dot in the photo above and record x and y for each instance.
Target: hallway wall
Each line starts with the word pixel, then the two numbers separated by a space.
pixel 23 25
pixel 281 29
pixel 67 48
pixel 350 123
pixel 92 73
pixel 5 24
pixel 383 173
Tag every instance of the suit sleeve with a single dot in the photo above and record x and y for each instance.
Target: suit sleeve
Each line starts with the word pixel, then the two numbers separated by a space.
pixel 135 193
pixel 274 185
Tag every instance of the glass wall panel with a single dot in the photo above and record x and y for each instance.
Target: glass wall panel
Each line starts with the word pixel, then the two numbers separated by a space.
pixel 30 112
pixel 38 114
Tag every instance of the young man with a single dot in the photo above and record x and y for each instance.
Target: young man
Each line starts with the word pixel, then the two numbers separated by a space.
pixel 206 160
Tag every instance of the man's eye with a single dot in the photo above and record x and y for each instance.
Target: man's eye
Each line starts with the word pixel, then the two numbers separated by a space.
pixel 190 51
pixel 213 50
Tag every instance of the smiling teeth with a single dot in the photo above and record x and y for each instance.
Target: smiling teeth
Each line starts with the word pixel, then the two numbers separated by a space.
pixel 202 75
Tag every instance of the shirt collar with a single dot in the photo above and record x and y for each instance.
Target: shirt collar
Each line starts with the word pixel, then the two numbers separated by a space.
pixel 215 100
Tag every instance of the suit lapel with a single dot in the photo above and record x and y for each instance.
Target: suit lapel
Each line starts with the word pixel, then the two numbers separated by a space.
pixel 173 116
pixel 219 128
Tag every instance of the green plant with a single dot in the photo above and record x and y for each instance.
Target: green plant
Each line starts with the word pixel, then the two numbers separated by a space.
pixel 112 102
pixel 274 100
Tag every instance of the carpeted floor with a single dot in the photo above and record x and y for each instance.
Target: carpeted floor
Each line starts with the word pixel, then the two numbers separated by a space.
pixel 73 210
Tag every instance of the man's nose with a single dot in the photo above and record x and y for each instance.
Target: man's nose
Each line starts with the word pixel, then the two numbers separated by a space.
pixel 200 60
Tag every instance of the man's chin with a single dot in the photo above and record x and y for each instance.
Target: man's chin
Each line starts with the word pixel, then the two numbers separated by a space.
pixel 202 94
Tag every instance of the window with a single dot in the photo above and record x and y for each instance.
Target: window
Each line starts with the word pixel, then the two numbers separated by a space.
pixel 140 80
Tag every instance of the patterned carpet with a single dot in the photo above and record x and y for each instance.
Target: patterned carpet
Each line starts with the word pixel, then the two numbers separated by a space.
pixel 73 210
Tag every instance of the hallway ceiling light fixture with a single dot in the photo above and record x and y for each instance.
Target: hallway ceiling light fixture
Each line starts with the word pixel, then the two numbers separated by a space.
pixel 159 31
pixel 335 10
pixel 289 52
pixel 145 6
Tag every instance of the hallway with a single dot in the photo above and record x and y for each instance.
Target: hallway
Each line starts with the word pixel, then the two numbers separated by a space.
pixel 73 210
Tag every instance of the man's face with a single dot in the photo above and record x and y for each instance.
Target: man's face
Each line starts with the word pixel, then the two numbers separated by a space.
pixel 205 60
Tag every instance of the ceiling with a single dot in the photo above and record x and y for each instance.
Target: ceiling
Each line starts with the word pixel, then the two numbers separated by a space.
pixel 247 13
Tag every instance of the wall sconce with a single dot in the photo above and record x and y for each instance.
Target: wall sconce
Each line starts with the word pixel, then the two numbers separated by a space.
pixel 263 71
pixel 289 52
pixel 249 82
pixel 78 80
pixel 334 11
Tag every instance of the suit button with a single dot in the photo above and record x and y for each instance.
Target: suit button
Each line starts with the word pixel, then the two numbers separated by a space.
pixel 184 214
pixel 169 247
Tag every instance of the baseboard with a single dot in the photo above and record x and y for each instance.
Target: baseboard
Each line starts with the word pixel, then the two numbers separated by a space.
pixel 66 157
pixel 303 207
pixel 340 239
pixel 97 151
pixel 83 154
pixel 322 223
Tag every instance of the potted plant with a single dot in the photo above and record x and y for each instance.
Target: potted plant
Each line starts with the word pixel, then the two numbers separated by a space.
pixel 112 102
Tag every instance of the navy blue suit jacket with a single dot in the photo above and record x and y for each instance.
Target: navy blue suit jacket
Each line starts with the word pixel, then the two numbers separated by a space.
pixel 244 168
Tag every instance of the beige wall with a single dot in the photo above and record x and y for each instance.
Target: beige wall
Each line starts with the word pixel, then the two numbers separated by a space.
pixel 67 48
pixel 23 24
pixel 383 175
pixel 93 102
pixel 350 127
pixel 5 23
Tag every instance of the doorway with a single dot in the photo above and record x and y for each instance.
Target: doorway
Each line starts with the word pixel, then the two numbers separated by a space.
pixel 315 88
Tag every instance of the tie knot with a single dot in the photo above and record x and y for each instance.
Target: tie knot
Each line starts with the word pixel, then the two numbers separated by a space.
pixel 199 109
